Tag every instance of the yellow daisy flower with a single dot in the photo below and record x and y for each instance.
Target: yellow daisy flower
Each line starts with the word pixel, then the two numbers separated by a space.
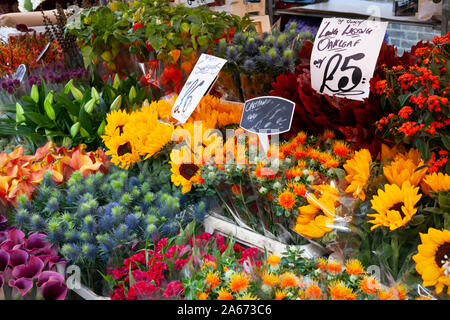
pixel 402 170
pixel 395 206
pixel 358 173
pixel 433 259
pixel 436 182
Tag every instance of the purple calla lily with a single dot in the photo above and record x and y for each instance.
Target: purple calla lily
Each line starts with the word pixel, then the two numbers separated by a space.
pixel 46 275
pixel 37 241
pixel 31 270
pixel 52 286
pixel 2 281
pixel 16 236
pixel 17 257
pixel 22 285
pixel 4 260
pixel 3 236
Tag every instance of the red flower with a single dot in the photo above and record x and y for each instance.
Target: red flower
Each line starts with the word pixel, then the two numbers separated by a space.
pixel 142 290
pixel 174 289
pixel 137 26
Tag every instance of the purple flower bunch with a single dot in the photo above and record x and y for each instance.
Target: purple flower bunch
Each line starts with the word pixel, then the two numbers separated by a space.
pixel 9 85
pixel 57 74
pixel 28 266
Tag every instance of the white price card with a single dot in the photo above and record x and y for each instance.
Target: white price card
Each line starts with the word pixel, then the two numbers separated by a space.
pixel 344 56
pixel 198 83
pixel 196 3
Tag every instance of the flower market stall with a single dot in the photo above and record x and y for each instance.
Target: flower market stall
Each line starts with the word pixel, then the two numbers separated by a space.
pixel 159 151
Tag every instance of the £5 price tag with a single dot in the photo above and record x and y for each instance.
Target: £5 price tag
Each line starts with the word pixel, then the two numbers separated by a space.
pixel 344 56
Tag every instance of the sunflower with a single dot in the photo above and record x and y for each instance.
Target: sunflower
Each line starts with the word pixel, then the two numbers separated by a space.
pixel 354 267
pixel 433 259
pixel 224 295
pixel 436 182
pixel 184 173
pixel 314 219
pixel 239 281
pixel 358 173
pixel 115 122
pixel 122 150
pixel 402 170
pixel 395 206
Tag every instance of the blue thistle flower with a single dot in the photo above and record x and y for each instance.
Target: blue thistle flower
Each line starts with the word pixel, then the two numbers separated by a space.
pixel 72 236
pixel 106 243
pixel 89 224
pixel 22 217
pixel 55 233
pixel 86 237
pixel 249 66
pixel 106 222
pixel 121 232
pixel 37 223
pixel 126 199
pixel 200 211
pixel 23 202
pixel 89 251
pixel 71 251
pixel 169 228
pixel 47 180
pixel 52 205
pixel 110 206
pixel 133 182
pixel 145 187
pixel 132 221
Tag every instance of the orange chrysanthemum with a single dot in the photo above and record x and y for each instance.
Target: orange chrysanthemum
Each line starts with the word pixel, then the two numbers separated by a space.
pixel 398 292
pixel 333 267
pixel 301 137
pixel 239 282
pixel 339 291
pixel 354 267
pixel 298 188
pixel 287 200
pixel 384 295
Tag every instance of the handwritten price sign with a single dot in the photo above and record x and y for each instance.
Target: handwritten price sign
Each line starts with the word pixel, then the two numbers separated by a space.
pixel 344 56
pixel 200 80
pixel 196 3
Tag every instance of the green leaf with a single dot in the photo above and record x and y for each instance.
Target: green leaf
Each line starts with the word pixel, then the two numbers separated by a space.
pixel 28 5
pixel 446 141
pixel 39 119
pixel 444 200
pixel 88 55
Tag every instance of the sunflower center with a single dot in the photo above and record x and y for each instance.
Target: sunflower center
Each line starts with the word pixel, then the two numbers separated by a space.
pixel 188 170
pixel 442 257
pixel 398 207
pixel 123 149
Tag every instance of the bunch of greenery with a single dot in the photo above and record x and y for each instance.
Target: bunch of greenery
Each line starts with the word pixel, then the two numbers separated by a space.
pixel 74 116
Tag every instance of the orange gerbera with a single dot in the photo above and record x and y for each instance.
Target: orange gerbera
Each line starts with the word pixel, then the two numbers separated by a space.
pixel 287 200
pixel 354 267
pixel 239 281
pixel 224 295
pixel 212 279
pixel 313 292
pixel 369 285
